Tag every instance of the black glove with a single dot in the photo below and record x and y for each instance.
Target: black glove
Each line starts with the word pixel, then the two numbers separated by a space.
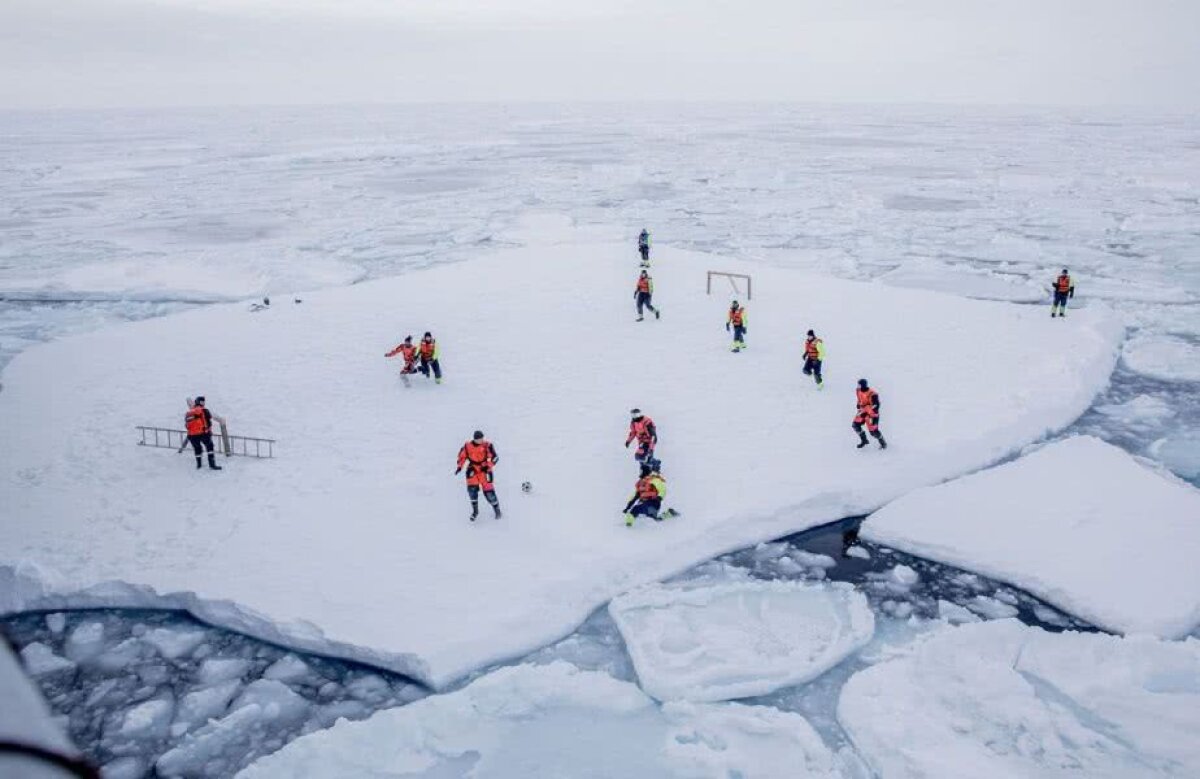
pixel 1072 295
pixel 457 471
pixel 727 327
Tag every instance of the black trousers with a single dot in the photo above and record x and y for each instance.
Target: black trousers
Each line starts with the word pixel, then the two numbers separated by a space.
pixel 645 251
pixel 813 368
pixel 200 443
pixel 426 365
pixel 1060 299
pixel 643 300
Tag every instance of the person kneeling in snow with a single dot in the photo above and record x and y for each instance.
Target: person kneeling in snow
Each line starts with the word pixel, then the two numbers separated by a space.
pixel 198 421
pixel 410 358
pixel 648 495
pixel 480 457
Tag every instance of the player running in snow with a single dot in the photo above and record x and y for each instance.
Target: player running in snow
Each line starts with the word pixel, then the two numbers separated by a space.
pixel 644 247
pixel 643 293
pixel 642 428
pixel 410 358
pixel 427 351
pixel 868 415
pixel 1063 289
pixel 648 495
pixel 814 355
pixel 737 321
pixel 480 458
pixel 198 422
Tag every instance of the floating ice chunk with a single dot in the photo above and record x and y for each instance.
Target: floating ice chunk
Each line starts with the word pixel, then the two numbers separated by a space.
pixel 967 282
pixel 1162 357
pixel 289 669
pixel 173 643
pixel 217 670
pixel 990 608
pixel 955 614
pixel 736 640
pixel 199 706
pixel 263 710
pixel 41 660
pixel 1057 524
pixel 56 622
pixel 85 642
pixel 812 560
pixel 148 720
pixel 1004 699
pixel 904 576
pixel 128 767
pixel 1180 452
pixel 858 551
pixel 1140 411
pixel 550 721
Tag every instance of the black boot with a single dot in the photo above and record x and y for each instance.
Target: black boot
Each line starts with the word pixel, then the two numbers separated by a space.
pixel 862 440
pixel 212 462
pixel 879 438
pixel 494 501
pixel 199 463
pixel 474 509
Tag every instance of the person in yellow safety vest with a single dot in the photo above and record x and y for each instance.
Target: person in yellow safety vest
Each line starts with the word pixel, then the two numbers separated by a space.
pixel 648 495
pixel 1063 289
pixel 737 321
pixel 427 352
pixel 814 355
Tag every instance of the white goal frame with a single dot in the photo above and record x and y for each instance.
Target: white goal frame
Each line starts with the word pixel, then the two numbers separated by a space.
pixel 732 282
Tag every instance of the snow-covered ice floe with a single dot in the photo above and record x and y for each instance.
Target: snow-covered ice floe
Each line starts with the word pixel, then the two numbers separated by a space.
pixel 967 282
pixel 558 721
pixel 1162 357
pixel 354 540
pixel 741 639
pixel 1079 523
pixel 1000 699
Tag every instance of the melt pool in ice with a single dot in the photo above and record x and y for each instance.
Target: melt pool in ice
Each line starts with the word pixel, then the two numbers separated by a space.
pixel 554 721
pixel 1079 523
pixel 1003 699
pixel 736 640
pixel 354 540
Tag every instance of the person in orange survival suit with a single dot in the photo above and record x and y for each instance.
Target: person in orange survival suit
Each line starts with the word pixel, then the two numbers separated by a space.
pixel 198 421
pixel 642 428
pixel 409 353
pixel 480 458
pixel 868 414
pixel 1063 288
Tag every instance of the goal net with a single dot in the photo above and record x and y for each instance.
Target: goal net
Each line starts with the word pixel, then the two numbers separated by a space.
pixel 737 283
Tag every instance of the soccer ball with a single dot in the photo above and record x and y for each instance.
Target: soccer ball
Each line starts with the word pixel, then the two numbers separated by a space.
pixel 526 486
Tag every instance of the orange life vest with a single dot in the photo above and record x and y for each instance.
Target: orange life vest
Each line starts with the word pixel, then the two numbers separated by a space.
pixel 427 349
pixel 866 400
pixel 810 348
pixel 643 284
pixel 1064 283
pixel 737 316
pixel 641 430
pixel 477 453
pixel 197 423
pixel 646 488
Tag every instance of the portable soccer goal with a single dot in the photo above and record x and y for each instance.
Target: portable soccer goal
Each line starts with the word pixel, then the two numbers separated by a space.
pixel 733 279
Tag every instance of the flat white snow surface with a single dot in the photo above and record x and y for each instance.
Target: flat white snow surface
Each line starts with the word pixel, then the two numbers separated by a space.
pixel 736 640
pixel 1162 357
pixel 354 540
pixel 557 721
pixel 1000 699
pixel 1078 523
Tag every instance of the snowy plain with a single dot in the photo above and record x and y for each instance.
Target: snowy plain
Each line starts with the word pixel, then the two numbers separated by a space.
pixel 346 541
pixel 1094 510
pixel 114 216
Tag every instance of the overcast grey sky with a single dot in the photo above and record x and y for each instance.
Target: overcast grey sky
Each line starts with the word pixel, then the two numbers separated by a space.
pixel 205 52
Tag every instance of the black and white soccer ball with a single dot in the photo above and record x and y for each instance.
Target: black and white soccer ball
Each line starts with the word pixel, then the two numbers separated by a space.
pixel 526 486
